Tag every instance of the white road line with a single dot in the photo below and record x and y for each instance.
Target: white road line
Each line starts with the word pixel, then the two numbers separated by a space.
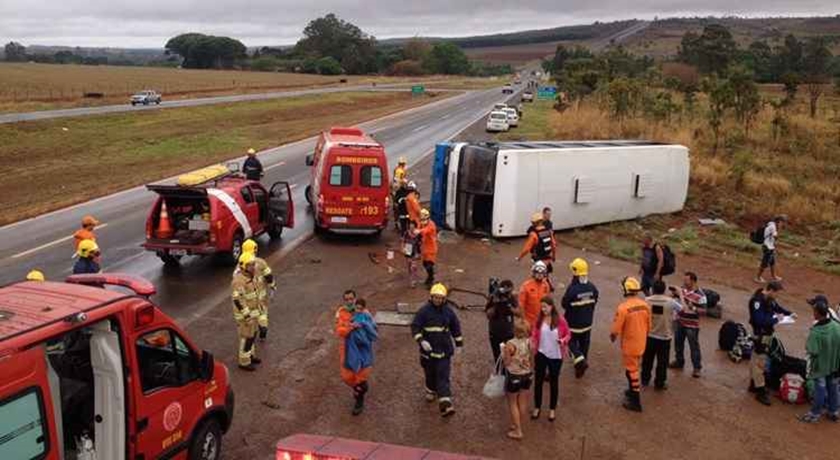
pixel 445 117
pixel 50 244
pixel 419 128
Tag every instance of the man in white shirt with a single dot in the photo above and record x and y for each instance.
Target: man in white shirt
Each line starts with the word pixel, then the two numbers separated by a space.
pixel 768 249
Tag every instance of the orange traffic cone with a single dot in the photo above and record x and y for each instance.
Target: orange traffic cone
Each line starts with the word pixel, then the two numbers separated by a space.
pixel 164 229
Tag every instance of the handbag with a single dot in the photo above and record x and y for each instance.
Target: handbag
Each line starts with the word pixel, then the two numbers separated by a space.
pixel 495 385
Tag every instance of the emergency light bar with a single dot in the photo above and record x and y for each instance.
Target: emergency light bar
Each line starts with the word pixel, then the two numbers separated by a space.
pixel 139 285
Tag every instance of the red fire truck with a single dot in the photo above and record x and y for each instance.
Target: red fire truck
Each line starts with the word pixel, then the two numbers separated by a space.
pixel 89 372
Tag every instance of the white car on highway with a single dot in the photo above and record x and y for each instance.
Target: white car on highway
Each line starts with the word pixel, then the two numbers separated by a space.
pixel 527 96
pixel 513 116
pixel 497 121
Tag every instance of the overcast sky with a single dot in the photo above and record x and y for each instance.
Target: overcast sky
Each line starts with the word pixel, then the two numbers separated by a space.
pixel 149 23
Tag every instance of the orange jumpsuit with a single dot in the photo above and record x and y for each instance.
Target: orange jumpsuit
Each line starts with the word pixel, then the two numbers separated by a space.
pixel 632 324
pixel 530 294
pixel 83 234
pixel 428 242
pixel 343 327
pixel 413 205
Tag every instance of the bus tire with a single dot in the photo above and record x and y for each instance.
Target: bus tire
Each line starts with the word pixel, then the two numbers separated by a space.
pixel 206 443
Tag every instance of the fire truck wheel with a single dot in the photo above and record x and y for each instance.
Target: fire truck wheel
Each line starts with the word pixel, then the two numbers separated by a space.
pixel 206 443
pixel 169 260
pixel 235 248
pixel 308 194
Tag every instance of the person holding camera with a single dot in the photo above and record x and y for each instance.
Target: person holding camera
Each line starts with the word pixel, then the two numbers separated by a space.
pixel 501 309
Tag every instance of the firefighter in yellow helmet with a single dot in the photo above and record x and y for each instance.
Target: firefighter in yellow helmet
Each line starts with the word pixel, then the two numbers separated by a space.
pixel 88 261
pixel 435 329
pixel 245 289
pixel 579 302
pixel 632 324
pixel 35 275
pixel 268 285
pixel 400 173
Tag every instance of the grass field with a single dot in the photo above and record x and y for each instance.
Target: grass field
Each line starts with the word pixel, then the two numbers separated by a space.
pixel 514 54
pixel 30 87
pixel 56 163
pixel 748 180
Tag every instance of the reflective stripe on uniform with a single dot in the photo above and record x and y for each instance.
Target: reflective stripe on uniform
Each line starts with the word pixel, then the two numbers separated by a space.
pixel 418 336
pixel 459 339
pixel 581 303
pixel 581 330
pixel 437 355
pixel 435 329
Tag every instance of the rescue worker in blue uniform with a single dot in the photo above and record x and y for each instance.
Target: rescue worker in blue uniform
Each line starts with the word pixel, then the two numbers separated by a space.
pixel 252 167
pixel 435 328
pixel 579 304
pixel 765 312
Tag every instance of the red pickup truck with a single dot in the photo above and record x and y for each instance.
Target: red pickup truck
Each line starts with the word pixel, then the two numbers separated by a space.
pixel 215 216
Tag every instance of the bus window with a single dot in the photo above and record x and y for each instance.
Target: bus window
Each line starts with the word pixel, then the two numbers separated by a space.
pixel 476 184
pixel 341 175
pixel 371 176
pixel 23 433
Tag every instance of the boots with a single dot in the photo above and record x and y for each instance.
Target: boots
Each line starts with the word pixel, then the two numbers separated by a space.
pixel 359 393
pixel 263 333
pixel 761 396
pixel 580 368
pixel 446 408
pixel 633 402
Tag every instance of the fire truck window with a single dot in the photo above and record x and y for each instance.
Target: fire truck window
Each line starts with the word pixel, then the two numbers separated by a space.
pixel 371 176
pixel 22 429
pixel 341 175
pixel 247 195
pixel 165 361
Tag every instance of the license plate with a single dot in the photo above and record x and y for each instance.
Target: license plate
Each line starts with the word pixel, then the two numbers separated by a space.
pixel 177 252
pixel 338 220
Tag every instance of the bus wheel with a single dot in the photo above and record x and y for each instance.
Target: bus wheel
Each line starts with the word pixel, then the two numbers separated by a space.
pixel 207 442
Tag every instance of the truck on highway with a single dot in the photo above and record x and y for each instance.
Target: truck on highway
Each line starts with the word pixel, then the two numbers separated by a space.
pixel 95 373
pixel 146 97
pixel 349 189
pixel 494 188
pixel 213 211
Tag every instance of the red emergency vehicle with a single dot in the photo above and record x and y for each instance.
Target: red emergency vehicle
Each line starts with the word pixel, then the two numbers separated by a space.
pixel 89 372
pixel 349 189
pixel 310 447
pixel 214 211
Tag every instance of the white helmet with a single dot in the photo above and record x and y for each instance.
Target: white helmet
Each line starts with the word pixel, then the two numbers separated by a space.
pixel 411 186
pixel 539 268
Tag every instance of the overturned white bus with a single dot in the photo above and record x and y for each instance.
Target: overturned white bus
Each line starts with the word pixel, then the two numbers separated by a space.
pixel 494 188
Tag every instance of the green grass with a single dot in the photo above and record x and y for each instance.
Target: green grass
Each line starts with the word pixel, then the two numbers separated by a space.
pixel 534 124
pixel 623 249
pixel 55 163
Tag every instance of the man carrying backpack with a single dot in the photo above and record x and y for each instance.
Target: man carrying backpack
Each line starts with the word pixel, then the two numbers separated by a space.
pixel 767 238
pixel 653 264
pixel 764 314
pixel 823 347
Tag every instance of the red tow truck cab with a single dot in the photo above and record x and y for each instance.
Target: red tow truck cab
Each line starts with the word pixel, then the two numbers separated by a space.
pixel 349 189
pixel 215 214
pixel 310 447
pixel 89 372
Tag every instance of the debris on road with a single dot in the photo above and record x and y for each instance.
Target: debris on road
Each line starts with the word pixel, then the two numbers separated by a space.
pixel 393 318
pixel 711 222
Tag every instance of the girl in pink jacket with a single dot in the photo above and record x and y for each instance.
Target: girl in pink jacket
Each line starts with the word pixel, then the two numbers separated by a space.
pixel 549 340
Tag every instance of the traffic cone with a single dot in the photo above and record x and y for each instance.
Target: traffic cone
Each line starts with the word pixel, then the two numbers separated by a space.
pixel 164 229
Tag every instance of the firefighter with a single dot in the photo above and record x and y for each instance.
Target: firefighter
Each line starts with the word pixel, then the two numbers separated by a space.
pixel 245 289
pixel 427 232
pixel 88 261
pixel 532 291
pixel 401 217
pixel 252 167
pixel 540 244
pixel 412 203
pixel 400 174
pixel 632 323
pixel 579 304
pixel 35 275
pixel 435 328
pixel 351 318
pixel 268 286
pixel 89 224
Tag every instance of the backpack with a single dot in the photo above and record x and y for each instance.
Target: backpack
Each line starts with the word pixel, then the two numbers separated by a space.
pixel 713 307
pixel 757 235
pixel 742 351
pixel 728 335
pixel 792 389
pixel 669 262
pixel 781 363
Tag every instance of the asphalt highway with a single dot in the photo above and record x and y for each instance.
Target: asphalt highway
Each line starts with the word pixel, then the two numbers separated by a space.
pixel 188 291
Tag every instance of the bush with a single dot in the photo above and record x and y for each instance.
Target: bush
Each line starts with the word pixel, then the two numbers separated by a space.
pixel 408 68
pixel 265 64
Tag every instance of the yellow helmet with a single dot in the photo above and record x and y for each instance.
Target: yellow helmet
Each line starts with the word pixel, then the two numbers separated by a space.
pixel 424 214
pixel 630 285
pixel 35 275
pixel 249 246
pixel 246 258
pixel 438 289
pixel 536 217
pixel 87 248
pixel 252 152
pixel 579 267
pixel 402 161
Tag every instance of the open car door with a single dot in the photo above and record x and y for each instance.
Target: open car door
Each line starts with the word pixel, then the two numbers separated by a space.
pixel 281 208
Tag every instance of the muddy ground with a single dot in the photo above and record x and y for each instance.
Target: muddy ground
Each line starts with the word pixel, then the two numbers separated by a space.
pixel 298 389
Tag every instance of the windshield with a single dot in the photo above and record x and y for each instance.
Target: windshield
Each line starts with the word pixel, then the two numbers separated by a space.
pixel 498 116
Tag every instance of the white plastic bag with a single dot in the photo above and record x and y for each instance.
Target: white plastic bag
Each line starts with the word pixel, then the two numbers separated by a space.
pixel 495 385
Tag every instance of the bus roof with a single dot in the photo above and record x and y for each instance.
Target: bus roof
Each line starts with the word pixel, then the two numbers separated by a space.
pixel 573 144
pixel 30 305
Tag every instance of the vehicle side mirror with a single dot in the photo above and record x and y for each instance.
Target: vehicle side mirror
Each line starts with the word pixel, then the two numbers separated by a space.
pixel 207 366
pixel 310 159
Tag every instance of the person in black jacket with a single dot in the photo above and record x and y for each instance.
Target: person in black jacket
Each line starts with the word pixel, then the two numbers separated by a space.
pixel 765 312
pixel 579 304
pixel 435 328
pixel 501 309
pixel 252 167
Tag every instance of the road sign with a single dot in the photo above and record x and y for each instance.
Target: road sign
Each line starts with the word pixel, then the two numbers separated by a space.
pixel 417 90
pixel 547 92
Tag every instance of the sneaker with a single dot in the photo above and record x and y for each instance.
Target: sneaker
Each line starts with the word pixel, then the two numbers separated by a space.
pixel 430 396
pixel 759 280
pixel 662 387
pixel 446 409
pixel 580 369
pixel 248 368
pixel 359 406
pixel 696 373
pixel 809 418
pixel 632 406
pixel 761 396
pixel 834 416
pixel 675 365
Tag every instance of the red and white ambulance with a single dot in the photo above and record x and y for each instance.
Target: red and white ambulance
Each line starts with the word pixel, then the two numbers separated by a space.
pixel 94 373
pixel 349 190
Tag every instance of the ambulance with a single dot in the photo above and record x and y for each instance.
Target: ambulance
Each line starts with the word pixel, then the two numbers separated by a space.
pixel 92 369
pixel 213 211
pixel 349 190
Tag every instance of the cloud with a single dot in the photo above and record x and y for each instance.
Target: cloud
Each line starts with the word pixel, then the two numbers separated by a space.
pixel 150 23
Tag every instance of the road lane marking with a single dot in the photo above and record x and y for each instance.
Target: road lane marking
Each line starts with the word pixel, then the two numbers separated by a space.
pixel 50 244
pixel 419 128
